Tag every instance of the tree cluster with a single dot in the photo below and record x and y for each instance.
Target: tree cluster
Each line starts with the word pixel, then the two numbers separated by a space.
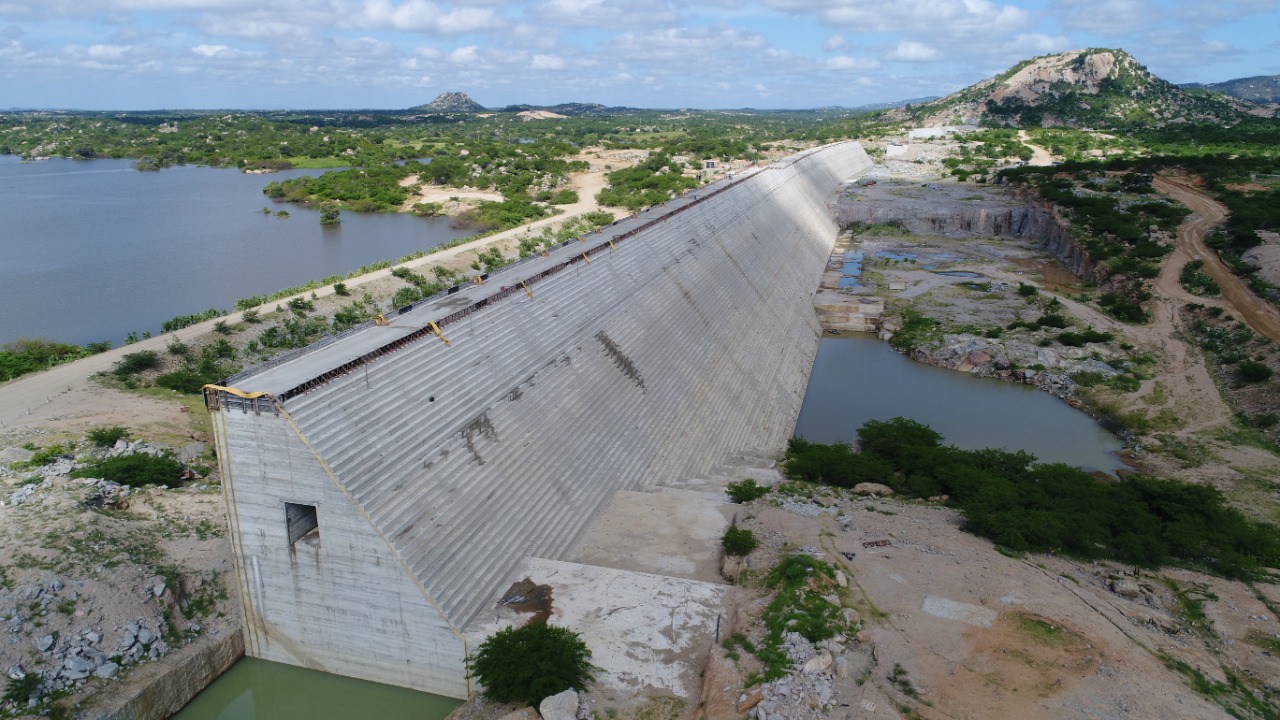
pixel 1024 505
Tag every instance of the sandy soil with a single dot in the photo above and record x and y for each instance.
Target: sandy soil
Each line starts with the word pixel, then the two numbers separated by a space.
pixel 983 635
pixel 1041 157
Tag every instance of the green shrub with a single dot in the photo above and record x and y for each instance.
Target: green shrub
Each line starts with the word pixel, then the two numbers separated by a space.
pixel 107 436
pixel 746 491
pixel 1052 320
pixel 1026 290
pixel 134 363
pixel 185 380
pixel 1251 371
pixel 533 662
pixel 19 691
pixel 136 470
pixel 47 455
pixel 1026 506
pixel 739 541
pixel 341 289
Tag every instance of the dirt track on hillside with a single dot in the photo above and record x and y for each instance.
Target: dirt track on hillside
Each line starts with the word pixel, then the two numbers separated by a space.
pixel 1207 213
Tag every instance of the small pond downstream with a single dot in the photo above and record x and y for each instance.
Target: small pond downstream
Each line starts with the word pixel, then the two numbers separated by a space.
pixel 857 378
pixel 261 690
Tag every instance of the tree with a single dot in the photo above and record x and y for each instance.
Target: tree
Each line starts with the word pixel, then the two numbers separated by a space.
pixel 330 214
pixel 532 662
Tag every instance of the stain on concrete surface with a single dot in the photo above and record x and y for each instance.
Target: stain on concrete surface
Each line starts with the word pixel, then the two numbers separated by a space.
pixel 620 359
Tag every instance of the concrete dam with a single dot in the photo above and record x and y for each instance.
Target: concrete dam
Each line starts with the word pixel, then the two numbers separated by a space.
pixel 385 485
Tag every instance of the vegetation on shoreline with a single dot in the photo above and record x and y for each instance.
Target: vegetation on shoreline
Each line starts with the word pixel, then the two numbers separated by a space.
pixel 1027 506
pixel 32 355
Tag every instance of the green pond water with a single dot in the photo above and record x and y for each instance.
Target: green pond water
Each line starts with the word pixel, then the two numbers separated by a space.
pixel 261 690
pixel 857 378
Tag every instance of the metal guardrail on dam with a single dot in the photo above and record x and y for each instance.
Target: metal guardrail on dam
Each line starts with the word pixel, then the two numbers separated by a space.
pixel 518 286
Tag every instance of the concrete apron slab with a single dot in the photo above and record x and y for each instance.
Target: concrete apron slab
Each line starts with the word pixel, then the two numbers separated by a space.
pixel 668 532
pixel 648 634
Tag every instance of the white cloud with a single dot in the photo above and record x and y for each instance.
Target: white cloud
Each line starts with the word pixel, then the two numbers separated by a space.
pixel 941 18
pixel 608 14
pixel 689 49
pixel 547 62
pixel 210 50
pixel 912 51
pixel 469 55
pixel 109 52
pixel 423 16
pixel 844 62
pixel 1108 18
pixel 835 42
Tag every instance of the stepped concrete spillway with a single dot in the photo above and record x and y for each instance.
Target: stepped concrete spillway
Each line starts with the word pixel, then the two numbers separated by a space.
pixel 383 486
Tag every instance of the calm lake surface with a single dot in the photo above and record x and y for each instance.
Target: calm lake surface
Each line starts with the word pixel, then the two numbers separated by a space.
pixel 857 378
pixel 261 690
pixel 91 250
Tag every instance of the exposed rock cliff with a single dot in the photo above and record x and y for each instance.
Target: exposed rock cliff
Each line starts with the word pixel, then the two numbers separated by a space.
pixel 1025 216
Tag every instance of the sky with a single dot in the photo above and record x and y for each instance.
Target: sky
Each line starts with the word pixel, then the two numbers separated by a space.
pixel 393 54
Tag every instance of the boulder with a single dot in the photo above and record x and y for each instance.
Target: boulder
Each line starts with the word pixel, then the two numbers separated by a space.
pixel 563 706
pixel 819 663
pixel 190 452
pixel 15 455
pixel 1124 587
pixel 876 489
pixel 732 566
pixel 750 699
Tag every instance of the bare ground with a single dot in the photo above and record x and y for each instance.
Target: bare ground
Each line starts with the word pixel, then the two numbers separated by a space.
pixel 980 635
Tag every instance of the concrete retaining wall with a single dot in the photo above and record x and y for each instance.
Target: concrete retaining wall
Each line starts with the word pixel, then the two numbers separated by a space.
pixel 436 469
pixel 197 667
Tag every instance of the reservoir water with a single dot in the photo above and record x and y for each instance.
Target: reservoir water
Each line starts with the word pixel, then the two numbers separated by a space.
pixel 261 690
pixel 92 250
pixel 857 378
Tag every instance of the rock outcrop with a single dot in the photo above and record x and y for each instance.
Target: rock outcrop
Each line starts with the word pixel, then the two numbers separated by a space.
pixel 452 102
pixel 1078 88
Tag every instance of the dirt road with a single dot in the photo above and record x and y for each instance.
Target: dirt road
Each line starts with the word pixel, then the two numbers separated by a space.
pixel 1040 156
pixel 1260 315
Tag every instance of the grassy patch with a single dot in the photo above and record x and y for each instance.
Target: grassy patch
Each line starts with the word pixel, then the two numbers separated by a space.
pixel 1040 629
pixel 798 606
pixel 1234 696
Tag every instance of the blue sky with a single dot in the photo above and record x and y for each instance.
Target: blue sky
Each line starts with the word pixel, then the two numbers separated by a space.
pixel 152 54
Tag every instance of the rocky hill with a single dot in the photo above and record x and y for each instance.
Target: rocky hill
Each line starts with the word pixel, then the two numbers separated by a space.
pixel 1097 88
pixel 1256 89
pixel 451 102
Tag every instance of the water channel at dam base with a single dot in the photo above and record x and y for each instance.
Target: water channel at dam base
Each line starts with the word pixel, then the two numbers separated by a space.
pixel 857 377
pixel 261 690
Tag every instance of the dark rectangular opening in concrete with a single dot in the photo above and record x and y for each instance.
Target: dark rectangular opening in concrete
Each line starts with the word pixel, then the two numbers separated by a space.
pixel 301 521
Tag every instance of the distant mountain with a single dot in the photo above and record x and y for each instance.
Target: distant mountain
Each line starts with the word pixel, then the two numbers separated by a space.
pixel 1098 88
pixel 451 102
pixel 1257 89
